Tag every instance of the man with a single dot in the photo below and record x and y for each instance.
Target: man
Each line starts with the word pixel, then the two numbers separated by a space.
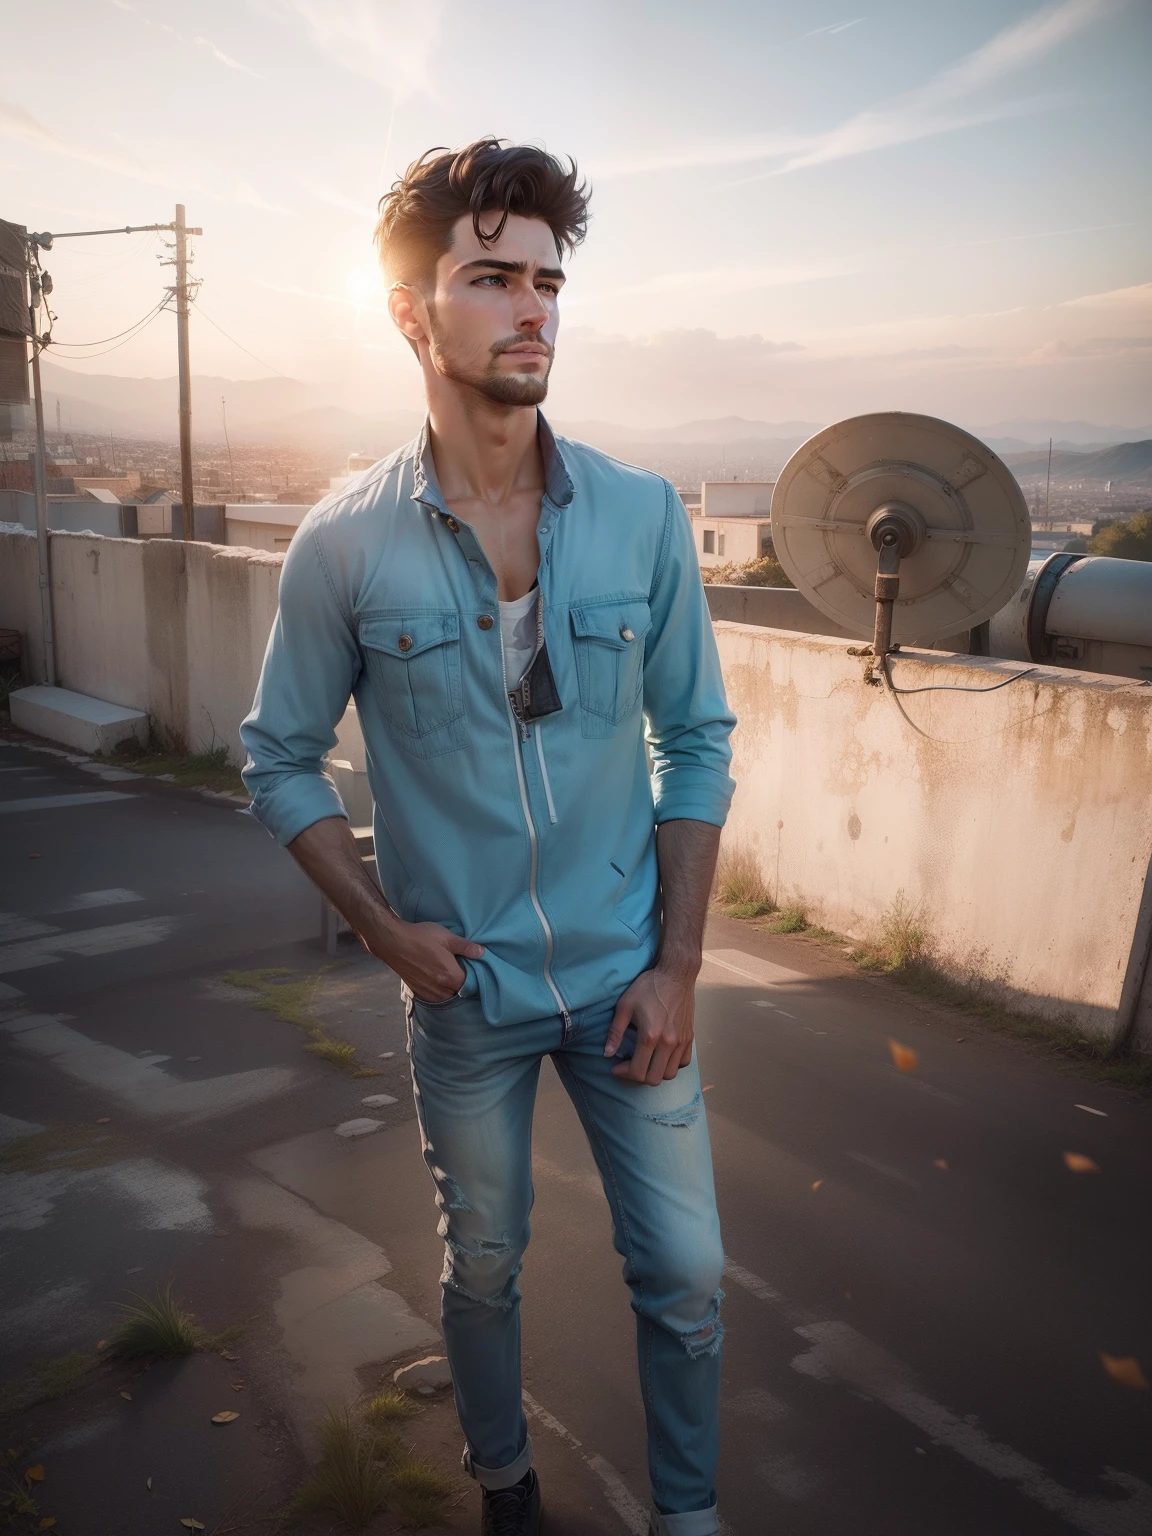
pixel 508 609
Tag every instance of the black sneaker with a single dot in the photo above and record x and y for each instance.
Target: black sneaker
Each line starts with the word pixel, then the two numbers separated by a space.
pixel 515 1511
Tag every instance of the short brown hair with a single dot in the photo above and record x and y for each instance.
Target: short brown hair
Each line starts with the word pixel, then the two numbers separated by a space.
pixel 486 178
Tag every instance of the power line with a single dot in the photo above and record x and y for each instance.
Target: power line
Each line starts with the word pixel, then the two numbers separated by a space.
pixel 104 339
pixel 199 311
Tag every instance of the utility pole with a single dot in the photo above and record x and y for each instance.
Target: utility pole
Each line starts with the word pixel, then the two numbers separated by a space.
pixel 39 480
pixel 181 229
pixel 1048 485
pixel 227 444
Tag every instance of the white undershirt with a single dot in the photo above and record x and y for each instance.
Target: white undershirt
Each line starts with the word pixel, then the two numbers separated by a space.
pixel 518 635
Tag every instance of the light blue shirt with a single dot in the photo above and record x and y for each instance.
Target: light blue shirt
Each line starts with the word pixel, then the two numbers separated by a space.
pixel 537 841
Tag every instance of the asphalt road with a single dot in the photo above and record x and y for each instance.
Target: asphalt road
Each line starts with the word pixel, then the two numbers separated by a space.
pixel 913 1345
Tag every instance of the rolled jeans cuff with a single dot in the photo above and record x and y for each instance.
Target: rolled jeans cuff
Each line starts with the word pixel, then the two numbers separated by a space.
pixel 504 1477
pixel 697 1522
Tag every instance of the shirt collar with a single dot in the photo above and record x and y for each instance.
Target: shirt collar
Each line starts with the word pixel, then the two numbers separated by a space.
pixel 558 487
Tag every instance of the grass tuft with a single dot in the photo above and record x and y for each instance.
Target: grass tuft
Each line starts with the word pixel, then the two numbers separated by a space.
pixel 901 942
pixel 62 1146
pixel 197 770
pixel 417 1490
pixel 154 1326
pixel 351 1477
pixel 292 1000
pixel 389 1408
pixel 740 889
pixel 44 1382
pixel 790 920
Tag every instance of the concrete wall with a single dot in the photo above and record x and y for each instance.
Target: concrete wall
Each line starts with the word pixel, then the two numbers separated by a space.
pixel 734 539
pixel 1018 823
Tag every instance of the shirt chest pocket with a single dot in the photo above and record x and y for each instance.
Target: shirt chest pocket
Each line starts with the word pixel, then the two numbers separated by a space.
pixel 413 663
pixel 609 642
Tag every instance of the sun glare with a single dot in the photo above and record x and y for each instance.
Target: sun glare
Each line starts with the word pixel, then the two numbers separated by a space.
pixel 364 286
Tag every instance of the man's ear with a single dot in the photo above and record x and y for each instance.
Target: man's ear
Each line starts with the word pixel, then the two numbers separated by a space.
pixel 406 306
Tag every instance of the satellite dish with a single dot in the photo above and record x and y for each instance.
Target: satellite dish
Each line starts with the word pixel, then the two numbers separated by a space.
pixel 901 527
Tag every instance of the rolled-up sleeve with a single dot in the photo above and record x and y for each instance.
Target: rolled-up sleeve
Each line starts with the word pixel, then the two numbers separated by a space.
pixel 310 668
pixel 689 721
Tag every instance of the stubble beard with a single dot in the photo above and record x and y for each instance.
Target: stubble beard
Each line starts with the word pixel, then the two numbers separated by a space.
pixel 501 388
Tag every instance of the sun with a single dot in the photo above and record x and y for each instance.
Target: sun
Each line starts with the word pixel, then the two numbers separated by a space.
pixel 365 286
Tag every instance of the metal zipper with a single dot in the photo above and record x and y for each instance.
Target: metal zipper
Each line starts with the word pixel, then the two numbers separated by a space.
pixel 534 843
pixel 544 775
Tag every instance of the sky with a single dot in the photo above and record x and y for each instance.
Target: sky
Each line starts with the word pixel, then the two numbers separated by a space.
pixel 798 211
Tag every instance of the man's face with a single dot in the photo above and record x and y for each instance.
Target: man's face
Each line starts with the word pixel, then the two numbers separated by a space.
pixel 491 319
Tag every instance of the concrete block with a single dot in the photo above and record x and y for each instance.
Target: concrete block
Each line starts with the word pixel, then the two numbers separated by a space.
pixel 425 1377
pixel 75 720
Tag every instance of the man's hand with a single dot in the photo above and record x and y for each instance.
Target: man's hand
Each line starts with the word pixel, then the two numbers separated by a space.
pixel 661 1004
pixel 423 955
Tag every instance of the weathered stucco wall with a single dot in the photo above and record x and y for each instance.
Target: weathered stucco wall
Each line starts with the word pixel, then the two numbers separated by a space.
pixel 176 629
pixel 1018 822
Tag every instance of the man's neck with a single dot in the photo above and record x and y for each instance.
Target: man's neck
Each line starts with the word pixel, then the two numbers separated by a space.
pixel 484 451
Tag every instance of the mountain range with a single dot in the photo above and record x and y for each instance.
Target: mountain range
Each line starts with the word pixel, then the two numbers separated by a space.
pixel 290 410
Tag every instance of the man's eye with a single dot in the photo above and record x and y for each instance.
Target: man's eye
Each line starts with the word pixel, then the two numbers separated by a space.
pixel 492 278
pixel 549 288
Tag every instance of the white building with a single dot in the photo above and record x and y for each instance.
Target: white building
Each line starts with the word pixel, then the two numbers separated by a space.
pixel 732 523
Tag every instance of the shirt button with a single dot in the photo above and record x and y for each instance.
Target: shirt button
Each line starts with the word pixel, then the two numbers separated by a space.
pixel 626 634
pixel 485 621
pixel 453 525
pixel 405 642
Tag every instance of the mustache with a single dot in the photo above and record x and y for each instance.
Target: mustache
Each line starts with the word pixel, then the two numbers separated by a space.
pixel 509 342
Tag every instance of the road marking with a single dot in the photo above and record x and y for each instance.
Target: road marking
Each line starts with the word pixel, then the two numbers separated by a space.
pixel 59 802
pixel 89 942
pixel 839 1353
pixel 1103 1115
pixel 632 1513
pixel 83 901
pixel 762 1002
pixel 13 927
pixel 167 1199
pixel 362 1127
pixel 143 1085
pixel 752 968
pixel 885 1169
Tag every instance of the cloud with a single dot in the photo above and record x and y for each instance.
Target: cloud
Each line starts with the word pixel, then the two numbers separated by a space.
pixel 833 28
pixel 226 58
pixel 1095 346
pixel 1114 298
pixel 390 42
pixel 931 109
pixel 734 279
pixel 199 42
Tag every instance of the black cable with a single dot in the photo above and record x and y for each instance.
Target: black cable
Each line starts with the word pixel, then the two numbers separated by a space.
pixel 195 308
pixel 83 357
pixel 104 339
pixel 952 687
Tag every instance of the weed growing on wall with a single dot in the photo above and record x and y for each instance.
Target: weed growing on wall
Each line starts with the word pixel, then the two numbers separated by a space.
pixel 740 890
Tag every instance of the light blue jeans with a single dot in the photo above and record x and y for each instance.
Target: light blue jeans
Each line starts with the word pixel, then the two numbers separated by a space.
pixel 475 1087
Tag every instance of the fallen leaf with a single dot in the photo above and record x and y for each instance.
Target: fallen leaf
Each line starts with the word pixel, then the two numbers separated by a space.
pixel 192 1525
pixel 708 1089
pixel 47 1523
pixel 818 1184
pixel 960 1039
pixel 104 1120
pixel 35 855
pixel 941 1163
pixel 1078 1163
pixel 34 1474
pixel 906 1060
pixel 193 1058
pixel 225 1417
pixel 237 1386
pixel 127 1396
pixel 1126 1370
pixel 227 1355
pixel 101 1343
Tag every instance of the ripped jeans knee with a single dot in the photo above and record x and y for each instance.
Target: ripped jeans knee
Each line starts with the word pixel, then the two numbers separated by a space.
pixel 707 1336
